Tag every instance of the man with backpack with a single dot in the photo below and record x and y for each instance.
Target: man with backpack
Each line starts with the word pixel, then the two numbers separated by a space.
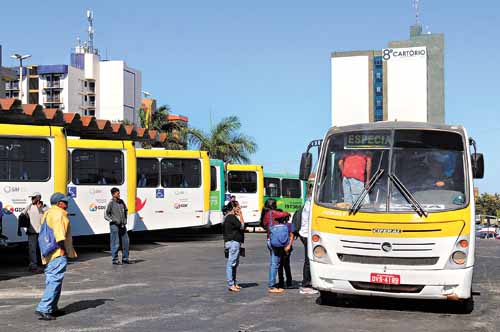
pixel 279 239
pixel 56 246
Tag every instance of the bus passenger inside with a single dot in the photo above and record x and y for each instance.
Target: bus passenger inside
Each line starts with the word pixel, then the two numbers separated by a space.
pixel 355 168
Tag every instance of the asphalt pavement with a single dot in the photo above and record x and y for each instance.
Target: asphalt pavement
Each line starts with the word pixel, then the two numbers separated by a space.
pixel 177 283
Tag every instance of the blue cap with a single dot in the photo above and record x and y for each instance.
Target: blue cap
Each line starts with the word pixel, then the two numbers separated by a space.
pixel 58 197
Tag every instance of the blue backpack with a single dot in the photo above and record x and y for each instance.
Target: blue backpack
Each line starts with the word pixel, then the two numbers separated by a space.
pixel 47 240
pixel 279 236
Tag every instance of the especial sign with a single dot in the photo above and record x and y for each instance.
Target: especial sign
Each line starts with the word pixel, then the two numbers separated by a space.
pixel 403 53
pixel 368 140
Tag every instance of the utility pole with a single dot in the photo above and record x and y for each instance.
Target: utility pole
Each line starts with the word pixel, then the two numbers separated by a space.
pixel 20 58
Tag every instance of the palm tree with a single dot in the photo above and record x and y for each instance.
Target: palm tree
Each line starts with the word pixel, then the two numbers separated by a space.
pixel 176 139
pixel 224 141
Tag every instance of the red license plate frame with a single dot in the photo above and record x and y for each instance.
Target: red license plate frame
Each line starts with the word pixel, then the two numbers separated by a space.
pixel 385 279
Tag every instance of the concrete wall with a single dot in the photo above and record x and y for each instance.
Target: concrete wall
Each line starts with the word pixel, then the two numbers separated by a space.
pixel 406 84
pixel 350 88
pixel 73 97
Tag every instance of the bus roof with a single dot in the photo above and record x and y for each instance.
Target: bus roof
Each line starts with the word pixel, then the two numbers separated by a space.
pixel 396 125
pixel 281 175
pixel 99 144
pixel 235 167
pixel 170 153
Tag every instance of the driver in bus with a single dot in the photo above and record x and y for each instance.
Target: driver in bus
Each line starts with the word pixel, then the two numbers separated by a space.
pixel 355 167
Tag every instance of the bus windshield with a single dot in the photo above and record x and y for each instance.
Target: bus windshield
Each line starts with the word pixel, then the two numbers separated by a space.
pixel 424 165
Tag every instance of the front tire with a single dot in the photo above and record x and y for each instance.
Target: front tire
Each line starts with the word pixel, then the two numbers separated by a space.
pixel 325 298
pixel 466 306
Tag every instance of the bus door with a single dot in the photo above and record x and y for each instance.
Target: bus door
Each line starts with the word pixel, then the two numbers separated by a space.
pixel 244 184
pixel 94 171
pixel 216 191
pixel 28 165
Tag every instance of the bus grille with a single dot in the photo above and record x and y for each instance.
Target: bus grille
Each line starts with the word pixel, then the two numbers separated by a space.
pixel 381 260
pixel 368 286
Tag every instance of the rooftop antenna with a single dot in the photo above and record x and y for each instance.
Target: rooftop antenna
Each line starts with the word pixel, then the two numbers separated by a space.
pixel 90 18
pixel 416 6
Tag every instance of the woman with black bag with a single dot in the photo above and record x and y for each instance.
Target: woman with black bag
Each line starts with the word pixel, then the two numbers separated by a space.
pixel 234 235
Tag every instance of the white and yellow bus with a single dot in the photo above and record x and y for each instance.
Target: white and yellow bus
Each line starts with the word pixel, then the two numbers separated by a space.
pixel 246 183
pixel 32 159
pixel 173 189
pixel 392 212
pixel 96 166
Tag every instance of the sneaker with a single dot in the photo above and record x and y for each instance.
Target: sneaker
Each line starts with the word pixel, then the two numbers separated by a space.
pixel 117 263
pixel 308 291
pixel 275 290
pixel 45 316
pixel 126 262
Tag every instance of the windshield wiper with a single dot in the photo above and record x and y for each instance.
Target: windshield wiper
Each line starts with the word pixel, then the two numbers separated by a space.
pixel 408 196
pixel 357 204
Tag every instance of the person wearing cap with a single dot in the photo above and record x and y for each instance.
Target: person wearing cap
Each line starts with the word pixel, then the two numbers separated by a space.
pixel 116 215
pixel 56 218
pixel 34 211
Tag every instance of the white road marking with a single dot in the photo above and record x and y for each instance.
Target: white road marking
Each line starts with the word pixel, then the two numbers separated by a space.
pixel 22 293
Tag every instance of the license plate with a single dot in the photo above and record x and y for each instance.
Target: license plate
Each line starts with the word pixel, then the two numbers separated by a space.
pixel 388 279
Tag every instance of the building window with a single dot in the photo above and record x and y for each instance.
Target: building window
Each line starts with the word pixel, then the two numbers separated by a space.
pixel 378 76
pixel 378 90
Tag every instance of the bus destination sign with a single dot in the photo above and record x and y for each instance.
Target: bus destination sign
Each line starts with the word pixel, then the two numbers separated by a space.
pixel 368 140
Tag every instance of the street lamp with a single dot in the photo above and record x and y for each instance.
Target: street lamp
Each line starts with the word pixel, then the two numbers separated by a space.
pixel 20 58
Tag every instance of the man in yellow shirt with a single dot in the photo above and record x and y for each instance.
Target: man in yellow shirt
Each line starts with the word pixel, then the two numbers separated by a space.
pixel 57 219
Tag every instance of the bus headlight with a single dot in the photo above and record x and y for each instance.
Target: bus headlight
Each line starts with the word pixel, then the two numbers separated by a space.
pixel 319 252
pixel 459 257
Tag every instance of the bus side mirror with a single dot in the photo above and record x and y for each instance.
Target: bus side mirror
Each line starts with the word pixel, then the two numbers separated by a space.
pixel 477 165
pixel 305 166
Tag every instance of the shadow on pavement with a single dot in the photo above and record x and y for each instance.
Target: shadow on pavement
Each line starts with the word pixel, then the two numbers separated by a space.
pixel 83 305
pixel 249 285
pixel 392 304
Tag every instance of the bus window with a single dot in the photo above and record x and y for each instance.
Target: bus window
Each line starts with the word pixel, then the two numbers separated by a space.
pixel 242 182
pixel 272 187
pixel 180 173
pixel 148 175
pixel 97 167
pixel 291 188
pixel 24 159
pixel 213 178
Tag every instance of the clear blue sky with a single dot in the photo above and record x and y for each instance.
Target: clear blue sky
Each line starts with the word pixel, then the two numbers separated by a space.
pixel 269 61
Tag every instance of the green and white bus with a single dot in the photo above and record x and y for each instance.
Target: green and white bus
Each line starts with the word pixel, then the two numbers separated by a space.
pixel 288 191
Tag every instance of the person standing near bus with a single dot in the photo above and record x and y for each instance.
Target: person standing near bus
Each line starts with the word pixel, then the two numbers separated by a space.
pixel 356 168
pixel 57 219
pixel 234 235
pixel 34 211
pixel 116 215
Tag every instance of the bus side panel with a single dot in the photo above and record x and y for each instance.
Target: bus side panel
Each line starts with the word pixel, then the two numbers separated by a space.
pixel 131 182
pixel 217 198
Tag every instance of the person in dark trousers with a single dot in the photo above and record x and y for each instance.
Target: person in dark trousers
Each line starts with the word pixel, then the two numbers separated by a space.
pixel 285 267
pixel 302 224
pixel 34 211
pixel 271 216
pixel 234 235
pixel 116 215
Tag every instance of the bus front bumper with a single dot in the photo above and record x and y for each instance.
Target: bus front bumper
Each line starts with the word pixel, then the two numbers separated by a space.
pixel 423 284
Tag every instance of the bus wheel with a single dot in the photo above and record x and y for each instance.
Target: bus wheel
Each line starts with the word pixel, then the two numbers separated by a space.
pixel 466 306
pixel 325 298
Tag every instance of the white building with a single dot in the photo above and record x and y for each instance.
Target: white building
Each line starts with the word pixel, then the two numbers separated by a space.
pixel 108 90
pixel 404 82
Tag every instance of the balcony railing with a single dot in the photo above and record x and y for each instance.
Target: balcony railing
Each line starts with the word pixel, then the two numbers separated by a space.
pixel 52 85
pixel 11 86
pixel 51 99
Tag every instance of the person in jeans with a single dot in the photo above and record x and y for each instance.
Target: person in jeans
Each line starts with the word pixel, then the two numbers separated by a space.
pixel 34 211
pixel 234 235
pixel 272 216
pixel 116 215
pixel 304 234
pixel 57 219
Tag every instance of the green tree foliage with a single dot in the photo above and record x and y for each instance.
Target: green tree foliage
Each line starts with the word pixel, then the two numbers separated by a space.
pixel 176 134
pixel 488 204
pixel 224 141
